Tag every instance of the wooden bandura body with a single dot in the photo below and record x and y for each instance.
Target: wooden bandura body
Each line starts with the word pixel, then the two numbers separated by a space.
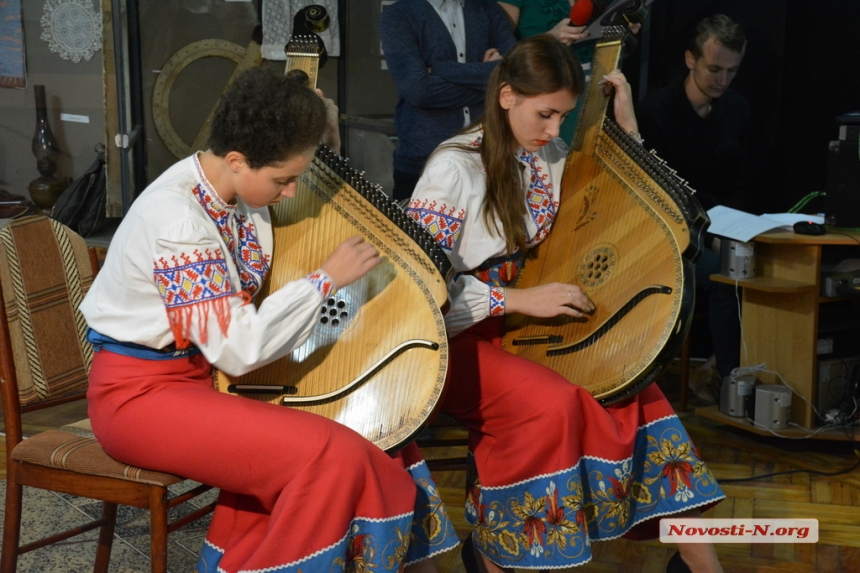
pixel 627 232
pixel 377 359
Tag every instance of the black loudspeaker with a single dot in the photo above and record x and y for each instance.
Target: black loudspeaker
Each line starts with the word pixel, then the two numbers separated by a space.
pixel 842 204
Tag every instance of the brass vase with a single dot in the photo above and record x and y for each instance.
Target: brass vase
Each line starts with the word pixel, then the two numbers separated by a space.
pixel 46 189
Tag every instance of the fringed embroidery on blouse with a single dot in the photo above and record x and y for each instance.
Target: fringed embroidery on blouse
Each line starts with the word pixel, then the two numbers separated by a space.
pixel 194 285
pixel 539 197
pixel 197 283
pixel 441 221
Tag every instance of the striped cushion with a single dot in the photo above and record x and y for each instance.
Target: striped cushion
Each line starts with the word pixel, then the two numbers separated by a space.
pixel 45 271
pixel 74 448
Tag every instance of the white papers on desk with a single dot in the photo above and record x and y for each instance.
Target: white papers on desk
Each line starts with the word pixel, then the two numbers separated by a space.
pixel 741 226
pixel 789 219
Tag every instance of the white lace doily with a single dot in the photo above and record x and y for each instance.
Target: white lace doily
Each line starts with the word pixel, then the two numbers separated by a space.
pixel 278 25
pixel 72 28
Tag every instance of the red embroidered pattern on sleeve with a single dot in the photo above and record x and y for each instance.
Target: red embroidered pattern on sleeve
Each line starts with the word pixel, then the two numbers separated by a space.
pixel 443 222
pixel 322 282
pixel 191 286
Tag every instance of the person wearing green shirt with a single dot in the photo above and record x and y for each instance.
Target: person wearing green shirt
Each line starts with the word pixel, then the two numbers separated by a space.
pixel 532 17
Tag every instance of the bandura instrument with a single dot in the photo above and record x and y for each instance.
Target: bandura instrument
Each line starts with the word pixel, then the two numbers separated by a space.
pixel 377 358
pixel 627 231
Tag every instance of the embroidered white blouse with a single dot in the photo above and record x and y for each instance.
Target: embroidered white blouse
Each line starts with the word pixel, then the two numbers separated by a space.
pixel 448 201
pixel 183 267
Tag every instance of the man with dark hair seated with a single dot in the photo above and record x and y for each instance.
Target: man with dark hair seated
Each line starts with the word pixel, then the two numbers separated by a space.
pixel 699 126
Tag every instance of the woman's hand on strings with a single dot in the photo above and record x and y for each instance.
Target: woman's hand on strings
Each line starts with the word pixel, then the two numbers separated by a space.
pixel 548 300
pixel 350 261
pixel 615 84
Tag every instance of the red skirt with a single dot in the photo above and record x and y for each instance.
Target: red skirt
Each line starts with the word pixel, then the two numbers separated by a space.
pixel 556 469
pixel 298 491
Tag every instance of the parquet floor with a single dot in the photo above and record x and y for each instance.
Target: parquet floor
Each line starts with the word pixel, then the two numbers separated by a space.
pixel 731 454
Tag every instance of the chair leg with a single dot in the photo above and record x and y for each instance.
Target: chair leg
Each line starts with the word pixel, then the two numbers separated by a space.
pixel 11 524
pixel 684 374
pixel 105 538
pixel 158 528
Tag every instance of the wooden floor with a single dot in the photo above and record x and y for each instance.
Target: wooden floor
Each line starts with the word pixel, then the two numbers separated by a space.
pixel 730 453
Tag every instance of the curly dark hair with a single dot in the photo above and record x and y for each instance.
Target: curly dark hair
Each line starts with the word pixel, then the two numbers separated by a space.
pixel 266 117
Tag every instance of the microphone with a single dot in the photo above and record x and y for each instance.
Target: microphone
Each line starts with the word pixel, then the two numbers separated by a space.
pixel 580 12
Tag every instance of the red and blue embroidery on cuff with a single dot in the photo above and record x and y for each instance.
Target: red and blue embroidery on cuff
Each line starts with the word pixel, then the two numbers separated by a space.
pixel 322 282
pixel 497 301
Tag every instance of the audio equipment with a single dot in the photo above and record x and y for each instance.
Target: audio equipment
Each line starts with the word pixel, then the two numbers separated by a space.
pixel 772 406
pixel 842 202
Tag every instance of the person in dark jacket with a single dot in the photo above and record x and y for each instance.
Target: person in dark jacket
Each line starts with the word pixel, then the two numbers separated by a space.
pixel 440 54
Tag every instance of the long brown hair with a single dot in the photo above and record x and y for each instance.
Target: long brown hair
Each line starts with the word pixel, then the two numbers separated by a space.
pixel 534 66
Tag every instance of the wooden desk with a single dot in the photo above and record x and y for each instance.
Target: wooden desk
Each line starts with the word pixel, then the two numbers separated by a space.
pixel 781 311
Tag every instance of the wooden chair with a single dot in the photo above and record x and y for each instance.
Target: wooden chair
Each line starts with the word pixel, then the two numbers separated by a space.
pixel 45 270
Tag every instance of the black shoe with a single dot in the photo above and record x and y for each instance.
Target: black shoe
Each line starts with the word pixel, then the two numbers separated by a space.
pixel 467 554
pixel 677 565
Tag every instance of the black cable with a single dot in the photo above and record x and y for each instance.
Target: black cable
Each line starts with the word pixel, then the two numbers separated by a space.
pixel 789 472
pixel 850 436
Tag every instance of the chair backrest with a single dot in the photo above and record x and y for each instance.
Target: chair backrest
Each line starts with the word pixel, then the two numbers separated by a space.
pixel 45 271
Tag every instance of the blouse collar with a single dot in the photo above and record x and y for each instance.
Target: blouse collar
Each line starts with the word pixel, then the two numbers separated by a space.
pixel 210 198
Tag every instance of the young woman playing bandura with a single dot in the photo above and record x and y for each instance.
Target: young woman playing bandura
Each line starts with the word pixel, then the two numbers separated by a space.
pixel 299 492
pixel 556 469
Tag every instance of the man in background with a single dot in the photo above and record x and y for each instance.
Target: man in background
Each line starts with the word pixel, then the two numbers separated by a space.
pixel 440 54
pixel 699 126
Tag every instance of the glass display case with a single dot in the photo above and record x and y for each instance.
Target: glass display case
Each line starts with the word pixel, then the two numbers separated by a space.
pixel 148 91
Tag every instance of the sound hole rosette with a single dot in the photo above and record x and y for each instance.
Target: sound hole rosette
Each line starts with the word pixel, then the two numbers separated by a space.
pixel 597 266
